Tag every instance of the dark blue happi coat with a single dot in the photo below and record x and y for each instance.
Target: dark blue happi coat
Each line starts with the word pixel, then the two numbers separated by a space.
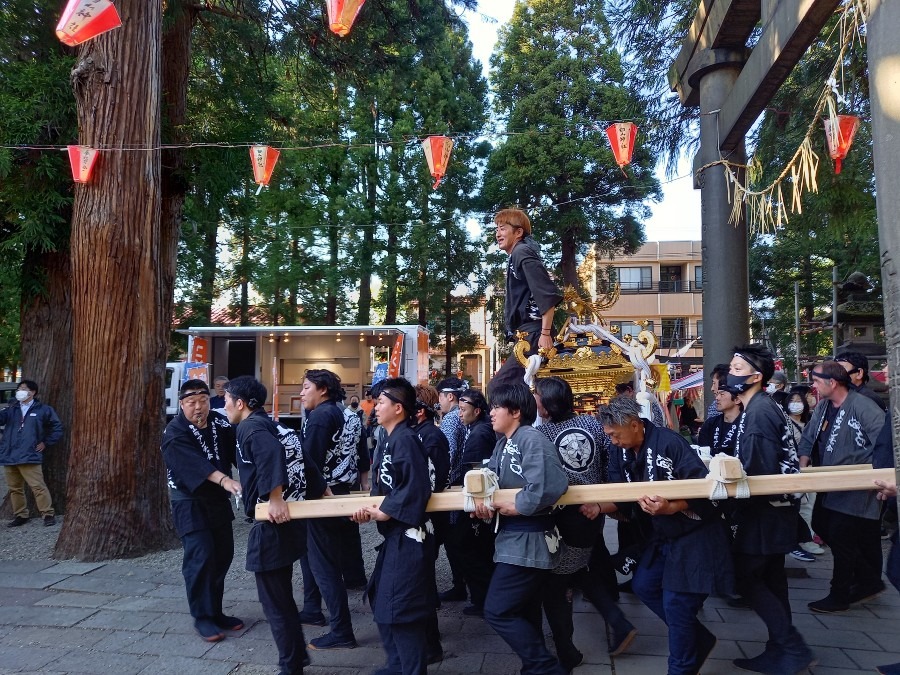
pixel 402 588
pixel 698 558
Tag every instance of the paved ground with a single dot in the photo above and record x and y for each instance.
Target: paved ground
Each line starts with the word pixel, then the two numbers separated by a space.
pixel 125 617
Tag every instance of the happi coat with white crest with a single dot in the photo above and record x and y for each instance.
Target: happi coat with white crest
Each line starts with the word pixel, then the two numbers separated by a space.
pixel 528 462
pixel 698 559
pixel 402 588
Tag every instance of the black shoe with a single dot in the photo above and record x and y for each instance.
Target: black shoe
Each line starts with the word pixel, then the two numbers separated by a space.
pixel 226 622
pixel 473 610
pixel 621 640
pixel 207 630
pixel 625 587
pixel 571 660
pixel 18 521
pixel 49 521
pixel 434 656
pixel 706 642
pixel 330 641
pixel 863 593
pixel 828 605
pixel 766 662
pixel 455 594
pixel 311 619
pixel 890 669
pixel 738 602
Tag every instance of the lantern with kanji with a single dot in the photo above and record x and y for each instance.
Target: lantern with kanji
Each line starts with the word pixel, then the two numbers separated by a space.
pixel 621 138
pixel 85 19
pixel 263 159
pixel 437 152
pixel 342 14
pixel 82 158
pixel 839 132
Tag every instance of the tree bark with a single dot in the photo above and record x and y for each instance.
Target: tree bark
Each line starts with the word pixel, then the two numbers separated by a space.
pixel 118 504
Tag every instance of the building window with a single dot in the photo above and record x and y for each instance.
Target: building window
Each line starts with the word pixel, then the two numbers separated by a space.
pixel 670 280
pixel 628 328
pixel 674 331
pixel 634 278
pixel 699 335
pixel 698 278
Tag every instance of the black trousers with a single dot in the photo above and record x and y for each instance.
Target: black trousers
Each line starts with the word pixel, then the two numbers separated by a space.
pixel 404 644
pixel 470 543
pixel 207 556
pixel 276 595
pixel 513 610
pixel 513 372
pixel 761 579
pixel 324 538
pixel 856 545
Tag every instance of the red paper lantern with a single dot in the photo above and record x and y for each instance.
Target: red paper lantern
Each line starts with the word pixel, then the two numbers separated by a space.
pixel 263 158
pixel 342 14
pixel 437 152
pixel 86 19
pixel 82 159
pixel 621 138
pixel 840 137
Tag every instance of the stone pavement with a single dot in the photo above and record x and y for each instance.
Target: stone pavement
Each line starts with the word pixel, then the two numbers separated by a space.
pixel 120 617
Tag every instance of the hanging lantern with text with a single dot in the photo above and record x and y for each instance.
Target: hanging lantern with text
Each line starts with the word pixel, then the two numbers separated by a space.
pixel 82 158
pixel 342 14
pixel 621 138
pixel 839 132
pixel 86 19
pixel 263 159
pixel 437 152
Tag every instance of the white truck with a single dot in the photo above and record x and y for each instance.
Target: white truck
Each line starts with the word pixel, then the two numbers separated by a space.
pixel 285 353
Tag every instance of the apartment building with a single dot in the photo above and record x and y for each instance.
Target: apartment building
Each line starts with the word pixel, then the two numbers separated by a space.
pixel 661 283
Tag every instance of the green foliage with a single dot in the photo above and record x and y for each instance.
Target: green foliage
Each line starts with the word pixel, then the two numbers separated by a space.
pixel 838 224
pixel 556 75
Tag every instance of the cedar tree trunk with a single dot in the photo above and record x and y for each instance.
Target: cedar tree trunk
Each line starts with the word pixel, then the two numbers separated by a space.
pixel 118 505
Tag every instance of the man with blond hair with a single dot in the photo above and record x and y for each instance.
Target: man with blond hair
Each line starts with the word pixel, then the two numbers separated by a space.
pixel 531 295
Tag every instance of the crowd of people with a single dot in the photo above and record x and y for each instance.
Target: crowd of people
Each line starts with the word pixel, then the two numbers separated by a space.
pixel 518 560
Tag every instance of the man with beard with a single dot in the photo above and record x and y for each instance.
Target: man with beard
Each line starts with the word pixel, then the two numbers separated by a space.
pixel 198 447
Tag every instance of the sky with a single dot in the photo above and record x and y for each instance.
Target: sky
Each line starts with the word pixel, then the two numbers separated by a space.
pixel 677 216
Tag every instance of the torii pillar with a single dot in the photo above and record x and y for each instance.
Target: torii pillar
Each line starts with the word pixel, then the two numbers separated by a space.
pixel 883 50
pixel 726 311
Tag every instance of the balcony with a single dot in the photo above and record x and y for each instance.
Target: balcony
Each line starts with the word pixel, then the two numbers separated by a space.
pixel 632 287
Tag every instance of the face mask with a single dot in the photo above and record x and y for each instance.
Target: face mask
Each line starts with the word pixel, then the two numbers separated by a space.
pixel 22 395
pixel 770 388
pixel 795 408
pixel 354 405
pixel 737 384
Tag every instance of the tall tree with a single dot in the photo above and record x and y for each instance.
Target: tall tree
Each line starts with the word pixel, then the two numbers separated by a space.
pixel 36 109
pixel 558 79
pixel 118 262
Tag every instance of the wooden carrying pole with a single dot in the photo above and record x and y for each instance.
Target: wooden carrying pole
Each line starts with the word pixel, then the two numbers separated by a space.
pixel 831 479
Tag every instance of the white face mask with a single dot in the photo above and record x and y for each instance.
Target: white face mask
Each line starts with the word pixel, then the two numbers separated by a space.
pixel 22 395
pixel 770 388
pixel 795 408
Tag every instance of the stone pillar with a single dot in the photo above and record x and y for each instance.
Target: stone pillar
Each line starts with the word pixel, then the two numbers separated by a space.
pixel 883 46
pixel 726 304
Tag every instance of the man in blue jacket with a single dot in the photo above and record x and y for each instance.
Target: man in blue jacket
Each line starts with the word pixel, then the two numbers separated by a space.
pixel 30 427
